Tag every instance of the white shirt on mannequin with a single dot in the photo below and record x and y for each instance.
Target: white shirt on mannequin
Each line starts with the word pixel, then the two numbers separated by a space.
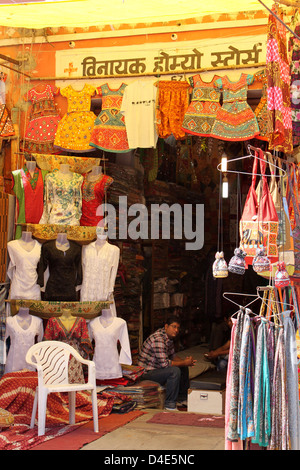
pixel 24 255
pixel 107 332
pixel 22 329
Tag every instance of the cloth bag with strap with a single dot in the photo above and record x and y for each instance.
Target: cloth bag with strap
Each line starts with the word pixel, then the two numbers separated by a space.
pixel 285 241
pixel 259 220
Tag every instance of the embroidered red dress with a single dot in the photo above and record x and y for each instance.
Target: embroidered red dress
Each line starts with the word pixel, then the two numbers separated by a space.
pixel 202 110
pixel 235 120
pixel 44 119
pixel 93 193
pixel 109 132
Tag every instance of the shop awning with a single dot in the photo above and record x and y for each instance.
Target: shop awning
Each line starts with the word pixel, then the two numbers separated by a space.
pixel 85 13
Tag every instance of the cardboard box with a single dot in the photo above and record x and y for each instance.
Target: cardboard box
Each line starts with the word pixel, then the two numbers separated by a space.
pixel 206 401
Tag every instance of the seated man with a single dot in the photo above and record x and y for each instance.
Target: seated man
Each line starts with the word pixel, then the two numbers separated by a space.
pixel 161 365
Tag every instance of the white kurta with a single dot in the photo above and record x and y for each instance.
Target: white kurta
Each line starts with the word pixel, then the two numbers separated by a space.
pixel 22 270
pixel 107 358
pixel 20 341
pixel 99 271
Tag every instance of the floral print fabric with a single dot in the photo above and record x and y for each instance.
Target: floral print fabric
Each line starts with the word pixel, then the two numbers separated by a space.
pixel 63 199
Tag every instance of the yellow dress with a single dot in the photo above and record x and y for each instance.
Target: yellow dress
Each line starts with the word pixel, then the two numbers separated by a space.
pixel 74 130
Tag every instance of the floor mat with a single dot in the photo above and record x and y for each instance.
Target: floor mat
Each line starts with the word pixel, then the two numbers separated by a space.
pixel 84 434
pixel 188 419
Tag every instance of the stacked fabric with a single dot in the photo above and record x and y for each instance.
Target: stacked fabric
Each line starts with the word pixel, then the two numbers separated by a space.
pixel 146 394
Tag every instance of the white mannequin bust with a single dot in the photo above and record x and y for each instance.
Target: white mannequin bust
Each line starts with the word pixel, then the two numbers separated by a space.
pixel 64 170
pixel 95 173
pixel 26 241
pixel 101 237
pixel 23 318
pixel 62 242
pixel 106 317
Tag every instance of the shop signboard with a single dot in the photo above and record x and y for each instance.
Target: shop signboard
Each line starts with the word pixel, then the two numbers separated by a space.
pixel 163 58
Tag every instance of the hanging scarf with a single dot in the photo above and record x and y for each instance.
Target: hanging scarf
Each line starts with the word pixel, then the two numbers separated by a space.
pixel 262 389
pixel 279 433
pixel 232 434
pixel 245 425
pixel 292 380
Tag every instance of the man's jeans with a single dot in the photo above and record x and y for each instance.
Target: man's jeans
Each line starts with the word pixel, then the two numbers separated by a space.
pixel 174 379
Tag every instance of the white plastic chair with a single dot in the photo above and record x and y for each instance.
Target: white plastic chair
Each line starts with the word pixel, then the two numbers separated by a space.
pixel 51 359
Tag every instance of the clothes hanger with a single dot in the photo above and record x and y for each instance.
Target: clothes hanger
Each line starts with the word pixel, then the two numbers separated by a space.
pixel 280 306
pixel 250 147
pixel 241 307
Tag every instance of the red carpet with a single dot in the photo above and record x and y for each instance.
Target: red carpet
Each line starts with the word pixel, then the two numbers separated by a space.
pixel 84 434
pixel 188 419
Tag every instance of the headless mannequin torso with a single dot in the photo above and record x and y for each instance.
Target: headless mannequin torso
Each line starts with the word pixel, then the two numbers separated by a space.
pixel 31 164
pixel 106 317
pixel 26 241
pixel 95 173
pixel 64 171
pixel 67 319
pixel 23 318
pixel 62 242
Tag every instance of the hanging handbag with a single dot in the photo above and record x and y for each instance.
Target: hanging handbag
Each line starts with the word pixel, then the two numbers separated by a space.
pixel 259 221
pixel 285 241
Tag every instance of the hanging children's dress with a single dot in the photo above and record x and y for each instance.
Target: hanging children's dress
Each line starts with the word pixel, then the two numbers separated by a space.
pixel 109 132
pixel 202 110
pixel 62 199
pixel 29 191
pixel 235 120
pixel 44 119
pixel 93 194
pixel 6 125
pixel 74 130
pixel 77 337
